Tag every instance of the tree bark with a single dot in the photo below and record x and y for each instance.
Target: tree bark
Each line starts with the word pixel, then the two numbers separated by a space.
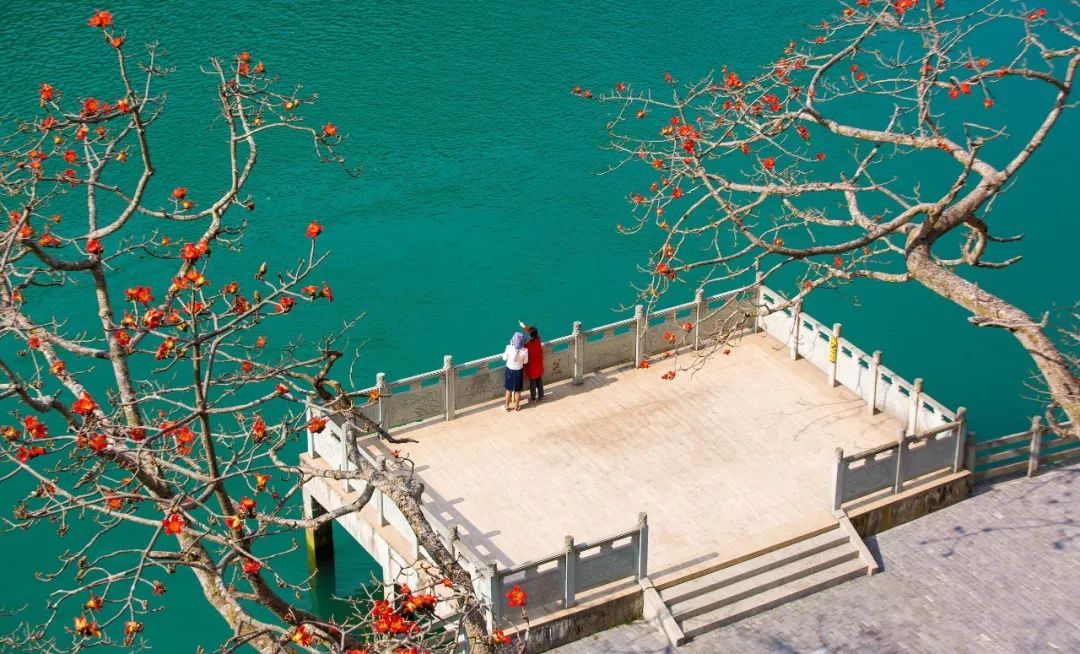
pixel 991 310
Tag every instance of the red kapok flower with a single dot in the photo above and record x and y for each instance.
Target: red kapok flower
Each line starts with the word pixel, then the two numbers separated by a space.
pixel 329 130
pixel 670 374
pixel 285 305
pixel 132 627
pixel 90 106
pixel 174 524
pixel 93 246
pixel 57 367
pixel 192 251
pixel 101 18
pixel 251 566
pixel 303 635
pixel 85 405
pixel 258 429
pixel 46 93
pixel 768 163
pixel 247 505
pixel 34 427
pixel 317 424
pixel 99 442
pixel 179 193
pixel 516 597
pixel 260 481
pixel 85 627
pixel 314 229
pixel 500 638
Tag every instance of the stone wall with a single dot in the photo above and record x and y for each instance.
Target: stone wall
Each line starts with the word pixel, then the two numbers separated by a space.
pixel 586 619
pixel 910 504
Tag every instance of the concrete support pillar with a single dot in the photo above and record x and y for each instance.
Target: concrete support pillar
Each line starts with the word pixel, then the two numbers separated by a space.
pixel 569 572
pixel 834 354
pixel 796 327
pixel 416 489
pixel 320 540
pixel 384 405
pixel 1037 430
pixel 901 447
pixel 875 375
pixel 701 309
pixel 838 479
pixel 643 546
pixel 961 439
pixel 578 344
pixel 914 406
pixel 450 386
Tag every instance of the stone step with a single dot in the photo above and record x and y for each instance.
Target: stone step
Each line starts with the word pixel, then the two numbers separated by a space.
pixel 792 590
pixel 765 581
pixel 753 567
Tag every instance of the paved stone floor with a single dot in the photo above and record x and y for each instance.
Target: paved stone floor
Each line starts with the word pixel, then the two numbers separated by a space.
pixel 999 572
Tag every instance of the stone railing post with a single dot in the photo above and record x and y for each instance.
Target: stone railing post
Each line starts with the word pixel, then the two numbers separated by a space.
pixel 569 572
pixel 875 373
pixel 701 309
pixel 758 302
pixel 641 323
pixel 377 496
pixel 796 326
pixel 961 439
pixel 495 595
pixel 838 479
pixel 1037 430
pixel 834 351
pixel 450 386
pixel 914 405
pixel 384 406
pixel 345 463
pixel 578 344
pixel 643 546
pixel 901 445
pixel 971 450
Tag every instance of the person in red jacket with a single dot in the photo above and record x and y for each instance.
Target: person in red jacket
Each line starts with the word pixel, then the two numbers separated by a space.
pixel 534 369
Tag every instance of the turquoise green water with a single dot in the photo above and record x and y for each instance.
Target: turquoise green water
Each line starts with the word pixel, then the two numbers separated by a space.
pixel 480 203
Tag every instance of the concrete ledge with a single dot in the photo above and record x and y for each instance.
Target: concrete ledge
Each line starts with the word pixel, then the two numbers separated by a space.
pixel 562 627
pixel 658 615
pixel 894 510
pixel 865 556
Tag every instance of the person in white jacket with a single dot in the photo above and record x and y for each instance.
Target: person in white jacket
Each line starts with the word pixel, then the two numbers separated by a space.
pixel 516 356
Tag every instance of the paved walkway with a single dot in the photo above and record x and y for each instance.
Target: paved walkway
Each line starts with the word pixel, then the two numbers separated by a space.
pixel 997 573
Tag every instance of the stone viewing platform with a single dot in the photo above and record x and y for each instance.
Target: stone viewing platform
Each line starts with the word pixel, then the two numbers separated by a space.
pixel 693 501
pixel 727 461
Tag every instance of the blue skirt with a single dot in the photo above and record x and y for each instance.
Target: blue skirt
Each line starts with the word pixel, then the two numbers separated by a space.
pixel 514 380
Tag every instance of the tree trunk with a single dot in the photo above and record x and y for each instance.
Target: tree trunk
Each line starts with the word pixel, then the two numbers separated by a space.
pixel 991 310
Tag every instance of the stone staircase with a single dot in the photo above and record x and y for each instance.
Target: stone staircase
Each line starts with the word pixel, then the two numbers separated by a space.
pixel 712 597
